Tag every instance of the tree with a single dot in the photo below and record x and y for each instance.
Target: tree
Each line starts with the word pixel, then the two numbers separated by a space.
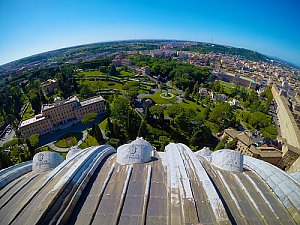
pixel 182 122
pixel 117 130
pixel 217 86
pixel 133 93
pixel 5 161
pixel 147 116
pixel 232 144
pixel 187 93
pixel 259 120
pixel 97 133
pixel 158 112
pixel 222 115
pixel 34 140
pixel 89 118
pixel 113 71
pixel 43 98
pixel 119 110
pixel 32 143
pixel 196 88
pixel 201 137
pixel 109 128
pixel 174 110
pixel 85 91
pixel 220 145
pixel 142 129
pixel 35 100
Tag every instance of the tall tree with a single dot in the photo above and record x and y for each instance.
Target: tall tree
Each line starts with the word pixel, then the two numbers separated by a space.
pixel 97 133
pixel 113 71
pixel 35 100
pixel 187 93
pixel 85 91
pixel 109 128
pixel 142 129
pixel 119 110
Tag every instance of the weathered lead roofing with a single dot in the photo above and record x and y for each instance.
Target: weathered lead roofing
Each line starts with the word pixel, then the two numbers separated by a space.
pixel 176 187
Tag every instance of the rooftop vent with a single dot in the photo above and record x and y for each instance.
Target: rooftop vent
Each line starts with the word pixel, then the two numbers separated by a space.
pixel 138 151
pixel 43 161
pixel 227 159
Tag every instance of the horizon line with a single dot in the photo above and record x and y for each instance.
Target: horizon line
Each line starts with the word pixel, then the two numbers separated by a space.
pixel 146 39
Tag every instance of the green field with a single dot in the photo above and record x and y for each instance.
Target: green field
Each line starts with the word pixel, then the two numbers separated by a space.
pixel 102 125
pixel 99 84
pixel 186 104
pixel 88 142
pixel 68 140
pixel 124 73
pixel 91 73
pixel 228 87
pixel 159 100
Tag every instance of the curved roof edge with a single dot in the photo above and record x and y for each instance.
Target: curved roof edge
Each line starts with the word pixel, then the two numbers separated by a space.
pixel 283 185
pixel 13 172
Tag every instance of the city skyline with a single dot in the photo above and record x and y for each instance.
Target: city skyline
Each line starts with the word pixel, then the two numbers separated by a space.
pixel 34 27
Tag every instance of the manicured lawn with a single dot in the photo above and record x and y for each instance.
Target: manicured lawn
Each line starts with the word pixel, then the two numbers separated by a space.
pixel 187 104
pixel 91 73
pixel 88 142
pixel 159 100
pixel 124 73
pixel 68 140
pixel 228 87
pixel 102 125
pixel 99 84
pixel 28 113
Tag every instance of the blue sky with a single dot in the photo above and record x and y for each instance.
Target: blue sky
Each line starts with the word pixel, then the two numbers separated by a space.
pixel 28 27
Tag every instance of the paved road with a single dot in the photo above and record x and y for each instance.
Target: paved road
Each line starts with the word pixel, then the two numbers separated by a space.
pixel 7 137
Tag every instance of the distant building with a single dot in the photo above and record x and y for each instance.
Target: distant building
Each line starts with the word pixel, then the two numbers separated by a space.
pixel 203 92
pixel 289 131
pixel 116 62
pixel 126 62
pixel 236 79
pixel 49 86
pixel 220 97
pixel 61 114
pixel 183 55
pixel 246 144
pixel 145 70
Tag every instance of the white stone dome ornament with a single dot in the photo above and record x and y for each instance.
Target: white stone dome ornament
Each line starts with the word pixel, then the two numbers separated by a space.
pixel 227 159
pixel 138 151
pixel 74 150
pixel 46 160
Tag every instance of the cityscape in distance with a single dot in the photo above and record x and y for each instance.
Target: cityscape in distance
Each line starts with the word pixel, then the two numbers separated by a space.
pixel 147 130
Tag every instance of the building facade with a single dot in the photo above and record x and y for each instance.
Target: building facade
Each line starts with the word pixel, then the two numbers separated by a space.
pixel 246 145
pixel 61 114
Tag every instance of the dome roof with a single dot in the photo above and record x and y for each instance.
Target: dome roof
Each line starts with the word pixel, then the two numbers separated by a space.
pixel 179 187
pixel 46 160
pixel 138 151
